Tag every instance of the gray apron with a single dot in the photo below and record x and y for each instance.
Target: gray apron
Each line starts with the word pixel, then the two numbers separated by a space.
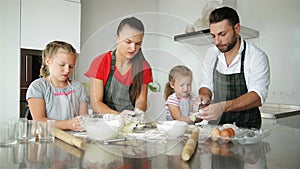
pixel 116 94
pixel 185 107
pixel 228 87
pixel 65 104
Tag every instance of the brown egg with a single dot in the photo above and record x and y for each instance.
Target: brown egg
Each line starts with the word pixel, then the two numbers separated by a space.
pixel 232 132
pixel 215 133
pixel 224 135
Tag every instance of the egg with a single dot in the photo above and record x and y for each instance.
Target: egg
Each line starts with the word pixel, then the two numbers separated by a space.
pixel 224 135
pixel 215 133
pixel 232 132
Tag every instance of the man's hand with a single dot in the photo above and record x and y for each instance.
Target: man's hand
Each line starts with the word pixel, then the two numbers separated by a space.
pixel 212 111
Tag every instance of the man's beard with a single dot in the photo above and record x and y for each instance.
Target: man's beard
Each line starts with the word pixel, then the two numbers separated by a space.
pixel 230 45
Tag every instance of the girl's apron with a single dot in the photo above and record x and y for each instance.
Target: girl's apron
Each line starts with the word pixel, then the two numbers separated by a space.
pixel 65 104
pixel 228 87
pixel 116 94
pixel 185 107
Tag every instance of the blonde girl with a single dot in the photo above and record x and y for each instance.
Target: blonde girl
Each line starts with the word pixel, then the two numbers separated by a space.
pixel 177 94
pixel 54 96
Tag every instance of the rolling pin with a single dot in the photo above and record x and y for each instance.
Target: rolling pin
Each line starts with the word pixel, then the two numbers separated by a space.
pixel 190 145
pixel 70 139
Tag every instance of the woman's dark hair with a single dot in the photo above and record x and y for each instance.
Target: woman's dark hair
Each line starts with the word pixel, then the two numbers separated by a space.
pixel 137 61
pixel 222 13
pixel 50 51
pixel 133 23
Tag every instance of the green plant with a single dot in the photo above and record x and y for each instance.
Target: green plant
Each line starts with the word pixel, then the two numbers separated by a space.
pixel 154 87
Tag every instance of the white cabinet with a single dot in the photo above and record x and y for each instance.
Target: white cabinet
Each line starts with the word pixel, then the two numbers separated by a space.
pixel 43 21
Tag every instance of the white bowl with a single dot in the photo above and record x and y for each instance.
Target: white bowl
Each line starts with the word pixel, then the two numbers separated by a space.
pixel 173 128
pixel 101 129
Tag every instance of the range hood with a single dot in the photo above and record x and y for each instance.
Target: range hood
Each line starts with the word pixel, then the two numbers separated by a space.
pixel 203 37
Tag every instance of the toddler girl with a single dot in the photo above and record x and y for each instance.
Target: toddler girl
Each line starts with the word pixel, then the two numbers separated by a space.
pixel 179 104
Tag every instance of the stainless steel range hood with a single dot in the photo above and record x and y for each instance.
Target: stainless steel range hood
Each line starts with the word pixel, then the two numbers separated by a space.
pixel 203 37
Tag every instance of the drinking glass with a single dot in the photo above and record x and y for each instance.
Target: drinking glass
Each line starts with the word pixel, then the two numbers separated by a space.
pixel 46 130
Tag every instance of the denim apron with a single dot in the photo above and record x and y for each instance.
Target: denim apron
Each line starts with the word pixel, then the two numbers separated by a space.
pixel 116 94
pixel 228 87
pixel 65 104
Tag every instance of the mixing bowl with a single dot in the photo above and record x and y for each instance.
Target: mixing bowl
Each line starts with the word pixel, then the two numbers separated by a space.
pixel 102 128
pixel 173 128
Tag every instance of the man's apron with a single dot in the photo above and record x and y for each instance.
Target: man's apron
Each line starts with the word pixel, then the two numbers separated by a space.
pixel 228 87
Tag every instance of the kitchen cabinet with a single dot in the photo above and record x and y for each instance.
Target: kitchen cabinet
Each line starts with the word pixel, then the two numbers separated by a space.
pixel 43 21
pixel 203 37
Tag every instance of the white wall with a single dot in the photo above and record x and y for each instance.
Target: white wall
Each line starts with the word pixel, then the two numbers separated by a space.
pixel 9 58
pixel 279 27
pixel 275 20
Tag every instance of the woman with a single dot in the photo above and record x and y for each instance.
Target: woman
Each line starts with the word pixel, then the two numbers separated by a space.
pixel 119 79
pixel 54 96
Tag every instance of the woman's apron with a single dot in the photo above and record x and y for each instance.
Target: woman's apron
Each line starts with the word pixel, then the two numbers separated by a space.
pixel 228 87
pixel 116 94
pixel 65 105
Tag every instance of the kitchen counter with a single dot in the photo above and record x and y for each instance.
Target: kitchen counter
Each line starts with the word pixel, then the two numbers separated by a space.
pixel 277 111
pixel 281 149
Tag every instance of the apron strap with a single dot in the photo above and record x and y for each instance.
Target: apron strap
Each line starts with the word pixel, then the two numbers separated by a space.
pixel 243 57
pixel 112 70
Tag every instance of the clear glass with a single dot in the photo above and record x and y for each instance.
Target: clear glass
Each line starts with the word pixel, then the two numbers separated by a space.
pixel 22 129
pixel 46 131
pixel 8 132
pixel 27 130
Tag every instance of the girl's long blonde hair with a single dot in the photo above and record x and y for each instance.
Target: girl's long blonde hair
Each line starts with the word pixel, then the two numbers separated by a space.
pixel 174 72
pixel 50 51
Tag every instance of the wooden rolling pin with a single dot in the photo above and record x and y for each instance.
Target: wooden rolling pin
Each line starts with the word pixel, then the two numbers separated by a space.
pixel 70 139
pixel 190 145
